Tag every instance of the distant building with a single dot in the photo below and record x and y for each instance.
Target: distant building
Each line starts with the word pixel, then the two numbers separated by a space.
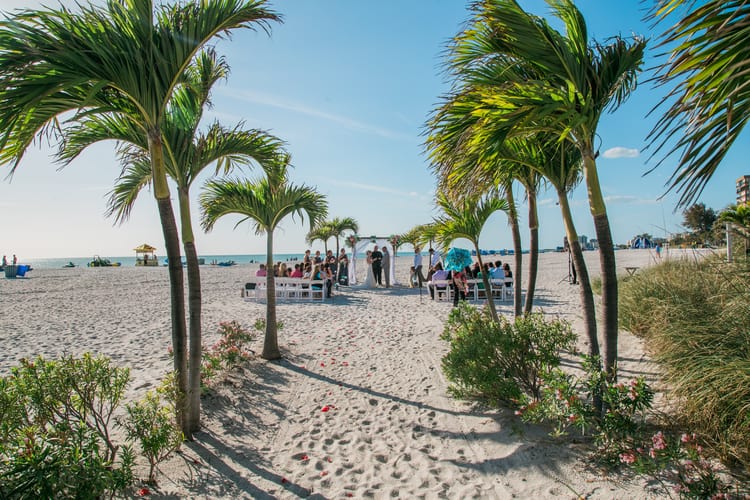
pixel 583 240
pixel 743 189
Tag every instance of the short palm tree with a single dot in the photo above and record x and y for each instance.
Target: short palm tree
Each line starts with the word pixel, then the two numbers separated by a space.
pixel 739 218
pixel 322 232
pixel 531 79
pixel 466 219
pixel 127 56
pixel 265 202
pixel 338 225
pixel 709 102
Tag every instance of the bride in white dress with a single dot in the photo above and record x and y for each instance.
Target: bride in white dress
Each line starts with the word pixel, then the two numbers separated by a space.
pixel 370 279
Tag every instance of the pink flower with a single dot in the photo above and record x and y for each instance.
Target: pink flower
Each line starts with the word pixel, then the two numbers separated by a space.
pixel 572 418
pixel 143 492
pixel 627 457
pixel 652 453
pixel 658 440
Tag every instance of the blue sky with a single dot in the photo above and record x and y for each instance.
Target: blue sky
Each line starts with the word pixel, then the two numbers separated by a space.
pixel 349 85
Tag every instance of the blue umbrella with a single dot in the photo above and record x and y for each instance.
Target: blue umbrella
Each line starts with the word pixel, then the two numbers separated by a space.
pixel 457 259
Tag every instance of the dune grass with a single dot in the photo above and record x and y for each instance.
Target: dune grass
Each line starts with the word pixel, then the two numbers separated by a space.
pixel 695 317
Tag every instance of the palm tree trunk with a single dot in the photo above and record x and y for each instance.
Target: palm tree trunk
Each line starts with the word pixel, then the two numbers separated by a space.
pixel 533 251
pixel 517 251
pixel 606 262
pixel 194 317
pixel 487 288
pixel 587 294
pixel 176 278
pixel 271 341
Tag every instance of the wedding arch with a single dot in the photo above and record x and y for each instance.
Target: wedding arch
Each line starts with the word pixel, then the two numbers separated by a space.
pixel 359 244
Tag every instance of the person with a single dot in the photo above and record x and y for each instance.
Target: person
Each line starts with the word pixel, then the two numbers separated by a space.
pixel 498 272
pixel 327 275
pixel 316 275
pixel 387 267
pixel 460 286
pixel 370 278
pixel 261 272
pixel 412 277
pixel 377 265
pixel 508 272
pixel 297 273
pixel 434 259
pixel 306 258
pixel 343 274
pixel 5 261
pixel 282 270
pixel 318 259
pixel 658 251
pixel 15 260
pixel 438 275
pixel 418 267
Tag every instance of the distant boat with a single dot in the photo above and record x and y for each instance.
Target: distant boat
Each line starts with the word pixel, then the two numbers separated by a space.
pixel 99 262
pixel 227 263
pixel 69 264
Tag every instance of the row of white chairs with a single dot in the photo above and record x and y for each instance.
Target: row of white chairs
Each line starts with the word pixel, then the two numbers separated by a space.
pixel 500 288
pixel 286 288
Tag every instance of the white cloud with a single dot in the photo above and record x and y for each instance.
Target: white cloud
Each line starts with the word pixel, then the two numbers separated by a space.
pixel 634 200
pixel 276 102
pixel 620 152
pixel 371 187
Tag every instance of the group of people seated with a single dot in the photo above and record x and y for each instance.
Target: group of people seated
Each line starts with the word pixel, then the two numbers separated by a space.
pixel 458 280
pixel 313 268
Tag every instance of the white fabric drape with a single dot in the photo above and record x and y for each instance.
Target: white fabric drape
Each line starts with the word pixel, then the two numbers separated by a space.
pixel 361 247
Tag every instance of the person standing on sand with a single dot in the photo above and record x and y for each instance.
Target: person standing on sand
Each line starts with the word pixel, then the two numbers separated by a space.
pixel 377 265
pixel 418 267
pixel 5 261
pixel 15 260
pixel 387 266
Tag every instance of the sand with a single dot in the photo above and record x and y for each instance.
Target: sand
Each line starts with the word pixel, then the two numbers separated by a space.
pixel 371 356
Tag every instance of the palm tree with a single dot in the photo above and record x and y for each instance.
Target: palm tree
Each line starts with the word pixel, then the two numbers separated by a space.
pixel 126 57
pixel 466 219
pixel 265 202
pixel 739 218
pixel 322 232
pixel 337 226
pixel 530 79
pixel 191 152
pixel 709 103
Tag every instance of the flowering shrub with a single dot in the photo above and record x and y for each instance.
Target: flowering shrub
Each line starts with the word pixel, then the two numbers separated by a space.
pixel 230 350
pixel 502 361
pixel 151 421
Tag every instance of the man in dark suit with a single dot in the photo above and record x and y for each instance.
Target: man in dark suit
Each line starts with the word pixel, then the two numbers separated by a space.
pixel 377 265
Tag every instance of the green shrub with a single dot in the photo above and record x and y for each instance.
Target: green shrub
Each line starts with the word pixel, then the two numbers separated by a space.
pixel 55 429
pixel 501 362
pixel 229 351
pixel 151 421
pixel 695 317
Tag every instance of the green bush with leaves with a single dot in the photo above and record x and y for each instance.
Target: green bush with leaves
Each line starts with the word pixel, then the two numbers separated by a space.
pixel 151 422
pixel 503 361
pixel 230 350
pixel 695 317
pixel 56 434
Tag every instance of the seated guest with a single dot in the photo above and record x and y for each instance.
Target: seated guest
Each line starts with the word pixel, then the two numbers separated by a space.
pixel 316 275
pixel 475 271
pixel 508 272
pixel 439 274
pixel 297 273
pixel 498 272
pixel 261 271
pixel 327 275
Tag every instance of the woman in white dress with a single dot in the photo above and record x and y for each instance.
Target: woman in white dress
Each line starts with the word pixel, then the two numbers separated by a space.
pixel 370 279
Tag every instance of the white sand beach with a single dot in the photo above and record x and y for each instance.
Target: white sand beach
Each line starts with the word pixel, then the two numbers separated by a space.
pixel 371 356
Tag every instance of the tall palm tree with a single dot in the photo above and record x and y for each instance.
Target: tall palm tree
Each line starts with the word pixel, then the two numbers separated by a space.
pixel 127 56
pixel 265 202
pixel 573 82
pixel 709 101
pixel 191 151
pixel 466 219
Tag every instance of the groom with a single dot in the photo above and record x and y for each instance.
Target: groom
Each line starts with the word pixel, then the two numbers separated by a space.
pixel 377 265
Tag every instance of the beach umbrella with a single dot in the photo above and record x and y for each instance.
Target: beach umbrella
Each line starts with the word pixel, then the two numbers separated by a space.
pixel 457 259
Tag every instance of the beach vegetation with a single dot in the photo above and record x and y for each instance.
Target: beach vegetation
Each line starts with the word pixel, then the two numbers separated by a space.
pixel 229 351
pixel 57 420
pixel 465 219
pixel 59 66
pixel 337 226
pixel 501 361
pixel 150 422
pixel 265 202
pixel 693 314
pixel 738 219
pixel 531 79
pixel 707 106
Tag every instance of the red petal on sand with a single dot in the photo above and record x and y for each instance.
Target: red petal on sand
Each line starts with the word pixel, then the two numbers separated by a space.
pixel 322 364
pixel 284 480
pixel 345 363
pixel 325 408
pixel 304 457
pixel 329 459
pixel 323 473
pixel 143 492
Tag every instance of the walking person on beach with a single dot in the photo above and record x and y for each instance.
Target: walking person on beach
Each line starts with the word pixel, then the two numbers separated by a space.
pixel 377 265
pixel 387 266
pixel 418 266
pixel 460 286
